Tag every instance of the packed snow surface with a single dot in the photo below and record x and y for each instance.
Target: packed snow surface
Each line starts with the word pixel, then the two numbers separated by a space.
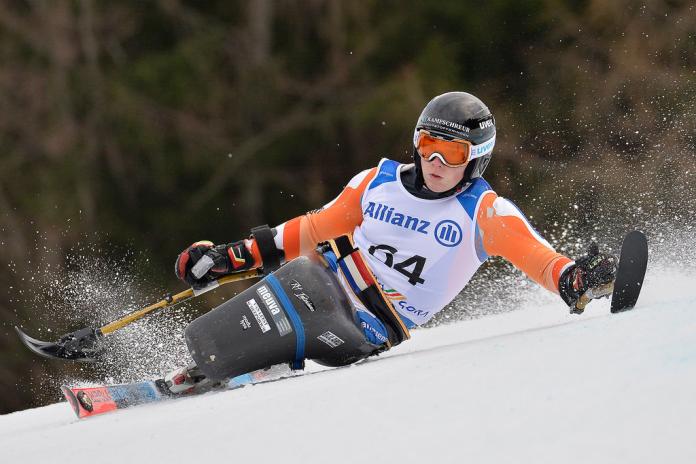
pixel 535 385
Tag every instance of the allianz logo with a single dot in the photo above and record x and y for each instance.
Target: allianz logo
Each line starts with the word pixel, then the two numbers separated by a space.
pixel 386 214
pixel 447 233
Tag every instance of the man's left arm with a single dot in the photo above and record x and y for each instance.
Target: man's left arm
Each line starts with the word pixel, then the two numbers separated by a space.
pixel 507 233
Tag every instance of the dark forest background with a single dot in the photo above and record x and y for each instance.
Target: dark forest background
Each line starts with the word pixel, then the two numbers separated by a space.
pixel 129 129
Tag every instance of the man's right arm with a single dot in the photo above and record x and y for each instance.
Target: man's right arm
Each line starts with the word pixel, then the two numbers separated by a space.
pixel 298 236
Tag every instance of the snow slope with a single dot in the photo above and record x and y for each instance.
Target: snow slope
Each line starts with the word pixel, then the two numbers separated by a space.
pixel 532 386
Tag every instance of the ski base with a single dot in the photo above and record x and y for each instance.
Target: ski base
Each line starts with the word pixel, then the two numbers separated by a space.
pixel 633 263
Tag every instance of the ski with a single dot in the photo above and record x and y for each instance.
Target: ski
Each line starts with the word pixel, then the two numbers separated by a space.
pixel 90 401
pixel 96 400
pixel 633 263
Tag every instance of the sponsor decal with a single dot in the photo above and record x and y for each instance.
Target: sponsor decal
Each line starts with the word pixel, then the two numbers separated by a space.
pixel 486 123
pixel 98 395
pixel 407 307
pixel 85 401
pixel 448 233
pixel 387 214
pixel 297 290
pixel 446 123
pixel 377 334
pixel 244 322
pixel 391 293
pixel 304 298
pixel 483 149
pixel 258 315
pixel 331 339
pixel 278 315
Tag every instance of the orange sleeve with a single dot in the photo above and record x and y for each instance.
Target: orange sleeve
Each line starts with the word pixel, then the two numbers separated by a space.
pixel 506 233
pixel 302 234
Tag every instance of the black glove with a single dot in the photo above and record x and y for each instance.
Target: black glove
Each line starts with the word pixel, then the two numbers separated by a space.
pixel 203 262
pixel 591 276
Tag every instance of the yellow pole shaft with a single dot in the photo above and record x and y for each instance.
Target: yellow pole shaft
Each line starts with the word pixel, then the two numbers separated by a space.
pixel 171 301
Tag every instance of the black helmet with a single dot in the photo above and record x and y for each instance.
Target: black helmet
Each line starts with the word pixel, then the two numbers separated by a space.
pixel 459 115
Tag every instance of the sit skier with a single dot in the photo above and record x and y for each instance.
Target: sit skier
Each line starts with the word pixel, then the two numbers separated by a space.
pixel 391 251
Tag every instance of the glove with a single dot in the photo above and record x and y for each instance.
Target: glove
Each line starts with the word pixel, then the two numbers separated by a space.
pixel 591 277
pixel 203 262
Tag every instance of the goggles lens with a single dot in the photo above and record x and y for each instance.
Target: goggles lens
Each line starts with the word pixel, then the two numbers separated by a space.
pixel 452 153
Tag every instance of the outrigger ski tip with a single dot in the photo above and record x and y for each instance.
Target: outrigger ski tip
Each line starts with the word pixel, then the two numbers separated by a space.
pixel 633 263
pixel 81 345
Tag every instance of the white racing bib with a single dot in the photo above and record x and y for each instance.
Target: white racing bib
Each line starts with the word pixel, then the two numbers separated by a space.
pixel 423 252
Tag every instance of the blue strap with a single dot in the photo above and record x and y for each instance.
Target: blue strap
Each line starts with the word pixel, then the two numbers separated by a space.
pixel 331 260
pixel 298 362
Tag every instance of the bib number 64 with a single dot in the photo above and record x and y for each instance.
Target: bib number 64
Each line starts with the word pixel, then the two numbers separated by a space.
pixel 410 267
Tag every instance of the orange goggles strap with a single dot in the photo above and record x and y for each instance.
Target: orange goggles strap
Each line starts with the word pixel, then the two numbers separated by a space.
pixel 452 153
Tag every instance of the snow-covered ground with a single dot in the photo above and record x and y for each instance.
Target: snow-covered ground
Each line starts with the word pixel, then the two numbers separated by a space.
pixel 535 385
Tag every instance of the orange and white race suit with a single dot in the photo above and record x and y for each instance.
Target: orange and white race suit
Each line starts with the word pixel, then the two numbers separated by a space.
pixel 424 252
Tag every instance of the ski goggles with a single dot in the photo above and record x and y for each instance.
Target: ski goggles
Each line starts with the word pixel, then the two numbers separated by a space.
pixel 452 153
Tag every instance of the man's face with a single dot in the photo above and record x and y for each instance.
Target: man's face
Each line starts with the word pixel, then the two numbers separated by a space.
pixel 440 178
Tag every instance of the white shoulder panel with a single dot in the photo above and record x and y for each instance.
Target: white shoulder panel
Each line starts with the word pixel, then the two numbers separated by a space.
pixel 504 207
pixel 358 178
pixel 354 183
